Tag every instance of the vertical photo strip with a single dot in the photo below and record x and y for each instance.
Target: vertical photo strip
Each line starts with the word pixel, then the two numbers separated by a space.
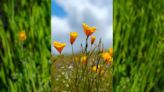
pixel 82 45
pixel 25 34
pixel 138 46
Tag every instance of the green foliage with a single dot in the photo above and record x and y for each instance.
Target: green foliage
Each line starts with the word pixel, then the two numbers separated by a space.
pixel 138 46
pixel 24 66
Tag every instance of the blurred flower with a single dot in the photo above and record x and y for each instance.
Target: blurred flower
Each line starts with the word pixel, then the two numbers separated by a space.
pixel 70 67
pixel 84 60
pixel 88 30
pixel 63 73
pixel 111 51
pixel 73 36
pixel 22 36
pixel 93 39
pixel 59 46
pixel 107 57
pixel 96 68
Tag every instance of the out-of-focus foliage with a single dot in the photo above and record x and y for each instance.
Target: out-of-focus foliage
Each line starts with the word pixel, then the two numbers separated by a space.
pixel 24 65
pixel 138 46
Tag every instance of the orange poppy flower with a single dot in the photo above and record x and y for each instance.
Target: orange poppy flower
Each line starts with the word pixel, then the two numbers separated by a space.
pixel 96 68
pixel 88 30
pixel 84 60
pixel 22 36
pixel 107 57
pixel 73 36
pixel 59 46
pixel 93 39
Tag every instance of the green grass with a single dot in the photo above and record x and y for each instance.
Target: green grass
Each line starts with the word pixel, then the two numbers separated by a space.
pixel 24 66
pixel 138 46
pixel 64 75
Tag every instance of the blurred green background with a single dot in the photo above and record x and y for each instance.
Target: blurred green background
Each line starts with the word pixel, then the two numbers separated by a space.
pixel 24 66
pixel 138 46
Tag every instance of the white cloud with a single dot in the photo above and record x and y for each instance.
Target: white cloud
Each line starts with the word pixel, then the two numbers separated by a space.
pixel 109 32
pixel 93 12
pixel 60 26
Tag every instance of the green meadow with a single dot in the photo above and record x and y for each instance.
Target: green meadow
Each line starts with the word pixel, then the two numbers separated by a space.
pixel 138 46
pixel 25 65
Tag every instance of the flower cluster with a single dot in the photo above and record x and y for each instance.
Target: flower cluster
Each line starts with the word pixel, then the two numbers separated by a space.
pixel 73 35
pixel 95 61
pixel 107 56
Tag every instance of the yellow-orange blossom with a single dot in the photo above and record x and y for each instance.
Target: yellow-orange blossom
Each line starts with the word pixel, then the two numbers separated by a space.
pixel 98 69
pixel 84 60
pixel 59 46
pixel 22 36
pixel 88 30
pixel 73 36
pixel 107 57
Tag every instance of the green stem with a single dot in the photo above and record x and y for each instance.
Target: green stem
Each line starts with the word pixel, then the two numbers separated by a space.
pixel 85 68
pixel 73 53
pixel 22 50
pixel 12 11
pixel 86 45
pixel 75 65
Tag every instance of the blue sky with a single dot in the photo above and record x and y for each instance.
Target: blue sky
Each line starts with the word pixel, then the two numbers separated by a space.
pixel 57 10
pixel 68 16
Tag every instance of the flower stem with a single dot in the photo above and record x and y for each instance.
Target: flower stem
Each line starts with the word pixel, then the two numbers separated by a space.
pixel 72 52
pixel 86 46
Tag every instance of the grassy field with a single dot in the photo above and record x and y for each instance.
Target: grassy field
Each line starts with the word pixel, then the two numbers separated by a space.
pixel 138 46
pixel 24 57
pixel 65 72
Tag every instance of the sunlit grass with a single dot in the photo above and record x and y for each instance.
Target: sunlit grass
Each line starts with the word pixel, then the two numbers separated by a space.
pixel 138 49
pixel 25 46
